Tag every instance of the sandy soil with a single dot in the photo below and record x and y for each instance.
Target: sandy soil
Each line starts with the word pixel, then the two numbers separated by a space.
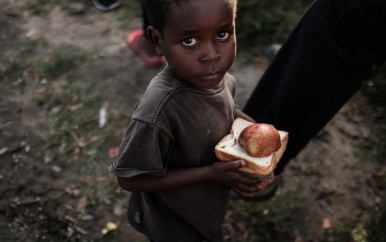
pixel 40 200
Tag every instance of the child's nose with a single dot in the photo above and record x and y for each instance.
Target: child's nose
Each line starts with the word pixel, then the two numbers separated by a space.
pixel 209 52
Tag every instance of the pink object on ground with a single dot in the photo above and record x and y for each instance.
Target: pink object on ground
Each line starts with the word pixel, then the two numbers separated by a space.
pixel 133 42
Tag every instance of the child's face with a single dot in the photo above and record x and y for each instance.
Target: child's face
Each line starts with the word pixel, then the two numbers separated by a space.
pixel 199 40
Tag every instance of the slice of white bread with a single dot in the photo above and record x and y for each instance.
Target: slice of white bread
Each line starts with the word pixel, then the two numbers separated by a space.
pixel 228 149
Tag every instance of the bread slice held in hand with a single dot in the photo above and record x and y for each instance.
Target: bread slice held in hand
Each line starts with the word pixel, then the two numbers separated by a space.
pixel 260 145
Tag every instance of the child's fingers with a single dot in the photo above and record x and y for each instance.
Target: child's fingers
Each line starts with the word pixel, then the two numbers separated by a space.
pixel 248 181
pixel 240 192
pixel 228 172
pixel 234 165
pixel 247 188
pixel 244 192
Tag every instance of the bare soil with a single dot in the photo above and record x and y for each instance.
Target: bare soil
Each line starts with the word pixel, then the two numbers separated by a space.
pixel 43 197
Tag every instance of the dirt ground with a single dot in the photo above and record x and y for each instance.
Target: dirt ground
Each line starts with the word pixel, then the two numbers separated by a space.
pixel 43 198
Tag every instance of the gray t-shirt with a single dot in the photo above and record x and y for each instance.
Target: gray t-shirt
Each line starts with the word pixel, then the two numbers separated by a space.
pixel 177 125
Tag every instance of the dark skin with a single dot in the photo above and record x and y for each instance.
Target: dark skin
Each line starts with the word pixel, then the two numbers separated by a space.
pixel 198 40
pixel 199 43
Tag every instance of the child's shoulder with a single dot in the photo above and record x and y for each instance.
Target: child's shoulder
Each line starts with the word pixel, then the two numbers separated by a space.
pixel 156 97
pixel 158 89
pixel 230 81
pixel 230 77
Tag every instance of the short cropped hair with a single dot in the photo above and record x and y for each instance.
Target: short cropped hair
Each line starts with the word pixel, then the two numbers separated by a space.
pixel 157 10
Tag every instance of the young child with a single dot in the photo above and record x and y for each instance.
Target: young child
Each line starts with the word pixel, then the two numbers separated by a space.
pixel 179 189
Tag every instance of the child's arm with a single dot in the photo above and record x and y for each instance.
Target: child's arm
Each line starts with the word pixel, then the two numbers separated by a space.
pixel 224 173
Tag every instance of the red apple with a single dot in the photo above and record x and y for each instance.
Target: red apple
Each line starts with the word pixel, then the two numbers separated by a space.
pixel 260 139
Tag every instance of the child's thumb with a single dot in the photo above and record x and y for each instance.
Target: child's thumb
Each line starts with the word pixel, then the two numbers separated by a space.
pixel 240 163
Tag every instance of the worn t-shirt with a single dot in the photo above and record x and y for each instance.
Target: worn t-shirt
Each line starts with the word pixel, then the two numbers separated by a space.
pixel 177 125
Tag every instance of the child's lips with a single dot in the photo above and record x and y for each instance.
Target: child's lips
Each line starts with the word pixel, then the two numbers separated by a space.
pixel 212 76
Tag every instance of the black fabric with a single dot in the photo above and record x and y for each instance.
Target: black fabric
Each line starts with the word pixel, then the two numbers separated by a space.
pixel 319 68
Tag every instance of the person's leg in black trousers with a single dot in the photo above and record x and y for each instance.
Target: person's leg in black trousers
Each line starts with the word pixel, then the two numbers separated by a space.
pixel 319 68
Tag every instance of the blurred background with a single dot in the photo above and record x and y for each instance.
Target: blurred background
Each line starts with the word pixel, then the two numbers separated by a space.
pixel 68 85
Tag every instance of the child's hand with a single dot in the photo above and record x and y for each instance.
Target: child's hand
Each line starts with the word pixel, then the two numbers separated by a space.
pixel 227 173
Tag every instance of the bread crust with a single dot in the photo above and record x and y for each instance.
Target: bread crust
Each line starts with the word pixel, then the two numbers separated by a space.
pixel 261 167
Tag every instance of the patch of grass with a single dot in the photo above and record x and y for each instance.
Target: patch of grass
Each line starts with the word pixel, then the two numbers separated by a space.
pixel 264 221
pixel 376 227
pixel 353 229
pixel 72 120
pixel 375 91
pixel 59 63
pixel 375 87
pixel 75 137
pixel 349 228
pixel 260 23
pixel 71 106
pixel 13 70
pixel 375 149
pixel 72 115
pixel 26 68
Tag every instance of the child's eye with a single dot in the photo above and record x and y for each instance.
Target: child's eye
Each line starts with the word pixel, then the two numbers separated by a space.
pixel 222 35
pixel 189 42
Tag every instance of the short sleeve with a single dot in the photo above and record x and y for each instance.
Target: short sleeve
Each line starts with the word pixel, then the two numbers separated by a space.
pixel 141 151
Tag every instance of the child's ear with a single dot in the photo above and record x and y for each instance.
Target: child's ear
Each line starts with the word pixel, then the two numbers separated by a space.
pixel 156 39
